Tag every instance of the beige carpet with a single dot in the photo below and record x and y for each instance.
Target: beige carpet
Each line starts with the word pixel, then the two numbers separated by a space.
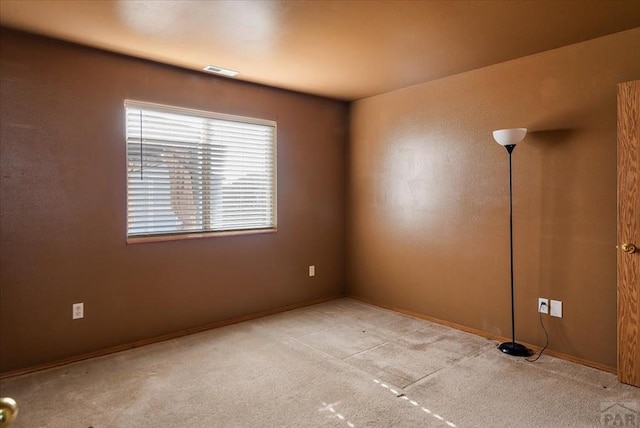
pixel 338 364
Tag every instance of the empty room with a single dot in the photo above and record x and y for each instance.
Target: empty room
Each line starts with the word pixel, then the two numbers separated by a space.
pixel 319 213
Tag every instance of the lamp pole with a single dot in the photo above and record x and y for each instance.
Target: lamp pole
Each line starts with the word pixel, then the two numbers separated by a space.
pixel 510 148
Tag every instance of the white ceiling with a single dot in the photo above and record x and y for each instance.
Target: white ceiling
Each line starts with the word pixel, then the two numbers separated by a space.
pixel 340 49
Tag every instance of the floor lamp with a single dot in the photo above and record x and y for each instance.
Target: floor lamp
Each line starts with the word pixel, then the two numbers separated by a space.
pixel 508 138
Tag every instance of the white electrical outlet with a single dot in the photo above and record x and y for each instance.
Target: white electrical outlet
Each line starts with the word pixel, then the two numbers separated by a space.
pixel 543 305
pixel 556 308
pixel 78 311
pixel 312 271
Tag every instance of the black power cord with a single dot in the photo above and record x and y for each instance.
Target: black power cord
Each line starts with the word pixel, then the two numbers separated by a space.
pixel 545 334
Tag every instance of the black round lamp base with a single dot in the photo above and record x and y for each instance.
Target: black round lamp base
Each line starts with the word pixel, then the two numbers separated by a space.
pixel 515 349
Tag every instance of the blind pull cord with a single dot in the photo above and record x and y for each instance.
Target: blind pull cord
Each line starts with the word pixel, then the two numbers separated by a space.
pixel 141 159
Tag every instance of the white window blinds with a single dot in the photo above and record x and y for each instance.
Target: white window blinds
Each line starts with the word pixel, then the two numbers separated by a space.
pixel 190 171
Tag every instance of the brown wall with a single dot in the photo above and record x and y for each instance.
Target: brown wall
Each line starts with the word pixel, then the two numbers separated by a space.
pixel 63 206
pixel 428 196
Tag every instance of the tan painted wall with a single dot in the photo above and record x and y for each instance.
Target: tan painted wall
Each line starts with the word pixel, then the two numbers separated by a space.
pixel 428 196
pixel 64 201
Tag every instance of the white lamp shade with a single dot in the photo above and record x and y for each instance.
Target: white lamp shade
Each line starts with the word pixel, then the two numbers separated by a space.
pixel 510 136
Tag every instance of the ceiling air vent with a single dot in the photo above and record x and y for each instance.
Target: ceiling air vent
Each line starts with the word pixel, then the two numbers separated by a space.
pixel 220 70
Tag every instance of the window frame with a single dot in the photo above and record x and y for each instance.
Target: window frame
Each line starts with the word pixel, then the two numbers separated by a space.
pixel 177 235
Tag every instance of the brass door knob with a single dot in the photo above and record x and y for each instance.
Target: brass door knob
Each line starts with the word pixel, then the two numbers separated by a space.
pixel 8 411
pixel 629 248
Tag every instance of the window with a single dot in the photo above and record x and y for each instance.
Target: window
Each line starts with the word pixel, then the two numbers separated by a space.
pixel 194 172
